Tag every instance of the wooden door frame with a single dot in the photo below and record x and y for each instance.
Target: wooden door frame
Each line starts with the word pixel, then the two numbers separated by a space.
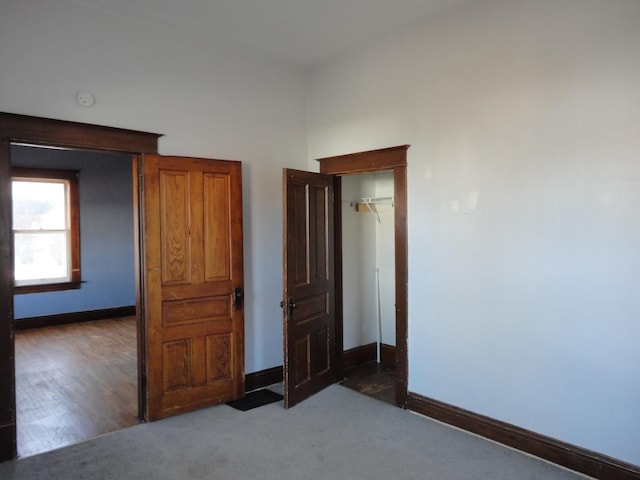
pixel 387 159
pixel 66 135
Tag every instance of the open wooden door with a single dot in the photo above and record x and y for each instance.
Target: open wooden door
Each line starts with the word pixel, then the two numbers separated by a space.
pixel 192 283
pixel 308 284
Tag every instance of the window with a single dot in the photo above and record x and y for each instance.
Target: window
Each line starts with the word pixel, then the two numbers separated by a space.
pixel 46 233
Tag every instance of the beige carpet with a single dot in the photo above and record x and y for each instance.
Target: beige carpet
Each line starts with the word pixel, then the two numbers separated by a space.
pixel 336 434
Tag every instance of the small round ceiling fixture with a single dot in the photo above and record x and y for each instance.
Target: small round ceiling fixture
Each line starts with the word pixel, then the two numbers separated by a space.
pixel 86 99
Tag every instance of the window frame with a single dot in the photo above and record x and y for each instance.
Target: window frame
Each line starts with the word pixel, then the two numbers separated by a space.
pixel 74 228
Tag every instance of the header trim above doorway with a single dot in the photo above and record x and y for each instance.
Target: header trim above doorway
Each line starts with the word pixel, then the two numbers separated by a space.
pixel 60 133
pixel 369 161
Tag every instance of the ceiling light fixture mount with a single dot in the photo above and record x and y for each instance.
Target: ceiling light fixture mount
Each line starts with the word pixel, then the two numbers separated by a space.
pixel 86 99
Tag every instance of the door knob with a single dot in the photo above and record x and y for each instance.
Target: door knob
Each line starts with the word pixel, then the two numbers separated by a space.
pixel 292 305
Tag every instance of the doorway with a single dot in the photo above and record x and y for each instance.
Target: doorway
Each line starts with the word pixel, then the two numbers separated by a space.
pixel 387 159
pixel 75 349
pixel 167 253
pixel 313 323
pixel 369 284
pixel 58 134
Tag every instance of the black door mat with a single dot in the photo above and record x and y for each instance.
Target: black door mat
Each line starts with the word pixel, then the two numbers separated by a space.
pixel 255 399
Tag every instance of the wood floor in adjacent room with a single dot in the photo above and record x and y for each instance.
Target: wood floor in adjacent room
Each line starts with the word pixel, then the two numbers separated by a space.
pixel 74 382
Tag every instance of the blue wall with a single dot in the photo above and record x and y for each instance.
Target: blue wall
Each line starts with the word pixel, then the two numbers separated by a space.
pixel 106 232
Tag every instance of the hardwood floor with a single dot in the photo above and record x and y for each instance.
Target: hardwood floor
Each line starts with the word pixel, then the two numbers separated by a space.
pixel 74 382
pixel 372 379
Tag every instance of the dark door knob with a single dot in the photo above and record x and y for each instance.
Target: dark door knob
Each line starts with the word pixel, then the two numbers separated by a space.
pixel 292 305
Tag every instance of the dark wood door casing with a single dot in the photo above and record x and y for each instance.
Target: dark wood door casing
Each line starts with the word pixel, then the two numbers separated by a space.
pixel 46 132
pixel 386 159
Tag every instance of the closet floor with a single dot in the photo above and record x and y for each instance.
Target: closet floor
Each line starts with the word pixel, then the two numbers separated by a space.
pixel 372 379
pixel 74 382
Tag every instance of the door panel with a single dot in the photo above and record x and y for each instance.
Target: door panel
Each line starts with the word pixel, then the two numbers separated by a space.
pixel 308 291
pixel 216 227
pixel 192 223
pixel 174 227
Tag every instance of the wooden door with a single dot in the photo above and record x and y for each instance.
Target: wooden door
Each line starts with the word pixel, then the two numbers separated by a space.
pixel 308 284
pixel 192 283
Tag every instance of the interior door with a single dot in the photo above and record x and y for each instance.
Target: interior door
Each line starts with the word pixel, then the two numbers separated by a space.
pixel 192 281
pixel 308 284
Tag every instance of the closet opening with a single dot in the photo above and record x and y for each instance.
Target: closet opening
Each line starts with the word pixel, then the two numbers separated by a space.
pixel 368 288
pixel 389 167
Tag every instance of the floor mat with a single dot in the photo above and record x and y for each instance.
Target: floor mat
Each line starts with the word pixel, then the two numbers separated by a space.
pixel 255 399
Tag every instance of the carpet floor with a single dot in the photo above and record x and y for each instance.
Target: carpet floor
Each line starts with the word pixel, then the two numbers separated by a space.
pixel 336 434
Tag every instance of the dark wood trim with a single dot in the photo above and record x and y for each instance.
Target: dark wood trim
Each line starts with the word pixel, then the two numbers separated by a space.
pixel 368 353
pixel 58 134
pixel 360 355
pixel 8 446
pixel 138 214
pixel 74 223
pixel 263 378
pixel 46 287
pixel 369 161
pixel 394 159
pixel 570 456
pixel 387 355
pixel 402 282
pixel 7 432
pixel 337 274
pixel 73 317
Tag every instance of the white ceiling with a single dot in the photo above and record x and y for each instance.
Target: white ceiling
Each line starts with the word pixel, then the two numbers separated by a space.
pixel 300 31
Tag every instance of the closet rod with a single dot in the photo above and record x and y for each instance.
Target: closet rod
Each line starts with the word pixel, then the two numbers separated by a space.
pixel 370 200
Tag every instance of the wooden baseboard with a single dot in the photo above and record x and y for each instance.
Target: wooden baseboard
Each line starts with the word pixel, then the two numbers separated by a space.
pixel 368 353
pixel 263 378
pixel 359 355
pixel 73 317
pixel 575 458
pixel 351 358
pixel 387 355
pixel 8 442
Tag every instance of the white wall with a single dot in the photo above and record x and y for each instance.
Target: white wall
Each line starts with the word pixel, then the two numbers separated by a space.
pixel 385 257
pixel 524 193
pixel 358 264
pixel 209 102
pixel 367 245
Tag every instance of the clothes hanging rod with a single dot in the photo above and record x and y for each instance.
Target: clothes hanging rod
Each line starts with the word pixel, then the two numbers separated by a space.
pixel 369 200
